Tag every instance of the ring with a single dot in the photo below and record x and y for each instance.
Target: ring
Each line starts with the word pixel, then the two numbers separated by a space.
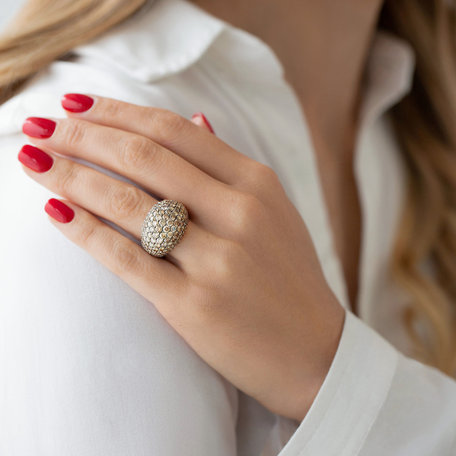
pixel 163 227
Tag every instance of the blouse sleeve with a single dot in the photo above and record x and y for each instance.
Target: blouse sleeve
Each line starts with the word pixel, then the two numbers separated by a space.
pixel 376 401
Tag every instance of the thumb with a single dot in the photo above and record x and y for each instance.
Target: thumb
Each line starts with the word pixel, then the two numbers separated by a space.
pixel 200 119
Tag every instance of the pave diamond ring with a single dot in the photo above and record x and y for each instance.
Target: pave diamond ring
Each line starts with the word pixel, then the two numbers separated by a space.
pixel 163 227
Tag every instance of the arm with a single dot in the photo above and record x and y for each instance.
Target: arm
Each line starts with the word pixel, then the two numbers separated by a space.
pixel 376 401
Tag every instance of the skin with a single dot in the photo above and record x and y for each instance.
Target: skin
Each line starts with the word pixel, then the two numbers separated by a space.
pixel 254 304
pixel 333 39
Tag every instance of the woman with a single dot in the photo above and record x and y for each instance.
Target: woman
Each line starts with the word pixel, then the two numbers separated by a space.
pixel 269 327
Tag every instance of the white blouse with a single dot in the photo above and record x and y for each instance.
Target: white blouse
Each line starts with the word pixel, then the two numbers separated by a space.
pixel 88 367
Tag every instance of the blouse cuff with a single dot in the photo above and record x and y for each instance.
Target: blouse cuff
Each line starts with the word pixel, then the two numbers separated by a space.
pixel 351 396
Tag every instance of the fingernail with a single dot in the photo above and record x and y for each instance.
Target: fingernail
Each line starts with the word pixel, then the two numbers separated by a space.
pixel 76 102
pixel 59 211
pixel 200 114
pixel 35 159
pixel 38 127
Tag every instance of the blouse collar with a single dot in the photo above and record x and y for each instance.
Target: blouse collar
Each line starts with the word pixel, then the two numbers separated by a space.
pixel 167 36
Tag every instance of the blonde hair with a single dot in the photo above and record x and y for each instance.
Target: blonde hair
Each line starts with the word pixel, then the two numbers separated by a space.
pixel 44 30
pixel 424 122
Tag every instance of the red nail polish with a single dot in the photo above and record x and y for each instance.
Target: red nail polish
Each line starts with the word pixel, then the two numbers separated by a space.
pixel 59 211
pixel 204 120
pixel 38 127
pixel 76 102
pixel 35 159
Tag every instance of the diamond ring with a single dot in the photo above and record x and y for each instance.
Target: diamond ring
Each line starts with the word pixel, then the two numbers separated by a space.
pixel 163 227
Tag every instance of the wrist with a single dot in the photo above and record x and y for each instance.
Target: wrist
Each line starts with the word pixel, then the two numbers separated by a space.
pixel 305 394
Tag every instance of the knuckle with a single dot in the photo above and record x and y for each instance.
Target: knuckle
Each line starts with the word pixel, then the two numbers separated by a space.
pixel 73 132
pixel 169 124
pixel 246 214
pixel 124 201
pixel 67 177
pixel 264 173
pixel 135 152
pixel 124 257
pixel 226 259
pixel 117 110
pixel 263 178
pixel 87 236
pixel 111 109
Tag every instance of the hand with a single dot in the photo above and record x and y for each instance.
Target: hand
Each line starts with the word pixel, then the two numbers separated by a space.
pixel 243 287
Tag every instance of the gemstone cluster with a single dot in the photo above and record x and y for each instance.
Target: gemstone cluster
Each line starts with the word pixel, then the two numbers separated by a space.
pixel 163 227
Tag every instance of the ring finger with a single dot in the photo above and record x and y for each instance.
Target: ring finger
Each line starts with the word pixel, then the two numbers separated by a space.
pixel 124 204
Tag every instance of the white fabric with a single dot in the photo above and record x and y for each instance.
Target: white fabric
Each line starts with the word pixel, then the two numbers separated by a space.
pixel 88 367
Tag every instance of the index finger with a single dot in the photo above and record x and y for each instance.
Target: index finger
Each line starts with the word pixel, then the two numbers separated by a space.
pixel 180 135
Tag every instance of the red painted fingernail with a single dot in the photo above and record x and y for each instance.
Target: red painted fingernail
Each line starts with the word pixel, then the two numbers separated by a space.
pixel 38 127
pixel 200 114
pixel 59 211
pixel 35 159
pixel 76 102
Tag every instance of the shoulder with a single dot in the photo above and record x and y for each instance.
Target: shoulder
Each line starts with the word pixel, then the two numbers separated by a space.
pixel 134 62
pixel 176 56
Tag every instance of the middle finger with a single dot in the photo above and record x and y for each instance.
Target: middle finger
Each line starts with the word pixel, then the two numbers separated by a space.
pixel 122 203
pixel 154 167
